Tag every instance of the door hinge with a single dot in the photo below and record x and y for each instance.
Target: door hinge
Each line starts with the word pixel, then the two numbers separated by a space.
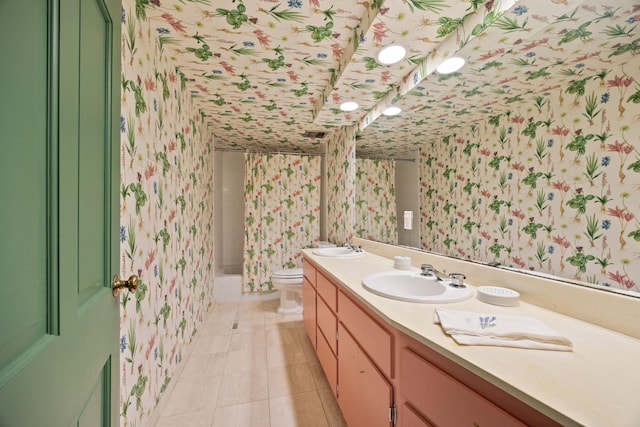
pixel 337 335
pixel 392 414
pixel 337 389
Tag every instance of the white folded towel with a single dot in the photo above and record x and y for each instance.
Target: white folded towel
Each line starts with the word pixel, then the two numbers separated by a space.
pixel 471 328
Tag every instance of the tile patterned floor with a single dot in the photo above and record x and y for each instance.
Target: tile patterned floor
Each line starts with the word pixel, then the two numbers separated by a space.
pixel 250 366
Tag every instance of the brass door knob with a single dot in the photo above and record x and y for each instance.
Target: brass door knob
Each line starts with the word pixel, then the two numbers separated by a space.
pixel 131 284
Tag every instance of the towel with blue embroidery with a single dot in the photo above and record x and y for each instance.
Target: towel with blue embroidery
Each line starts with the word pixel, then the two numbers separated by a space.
pixel 470 328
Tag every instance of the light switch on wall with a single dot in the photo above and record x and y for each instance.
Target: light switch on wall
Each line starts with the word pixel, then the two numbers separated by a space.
pixel 408 220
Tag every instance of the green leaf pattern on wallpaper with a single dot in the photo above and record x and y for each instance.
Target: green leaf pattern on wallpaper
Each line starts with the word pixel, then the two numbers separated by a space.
pixel 282 211
pixel 165 234
pixel 550 186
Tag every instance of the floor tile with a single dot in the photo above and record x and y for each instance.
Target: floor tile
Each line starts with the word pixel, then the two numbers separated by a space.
pixel 193 395
pixel 198 419
pixel 243 388
pixel 251 414
pixel 285 354
pixel 298 410
pixel 290 379
pixel 251 360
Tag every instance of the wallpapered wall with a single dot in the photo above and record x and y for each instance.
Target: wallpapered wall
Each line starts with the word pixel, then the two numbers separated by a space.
pixel 552 186
pixel 282 214
pixel 166 218
pixel 376 201
pixel 341 178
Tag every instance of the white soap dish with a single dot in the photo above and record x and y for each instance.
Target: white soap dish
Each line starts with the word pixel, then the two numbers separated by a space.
pixel 498 296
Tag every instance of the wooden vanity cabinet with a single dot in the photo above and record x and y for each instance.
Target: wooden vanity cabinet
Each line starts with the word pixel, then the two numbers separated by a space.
pixel 383 377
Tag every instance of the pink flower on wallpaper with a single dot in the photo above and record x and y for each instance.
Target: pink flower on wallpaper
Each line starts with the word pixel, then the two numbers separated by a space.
pixel 385 76
pixel 560 185
pixel 228 68
pixel 517 119
pixel 620 81
pixel 560 240
pixel 622 278
pixel 560 130
pixel 379 32
pixel 620 147
pixel 263 39
pixel 292 76
pixel 149 84
pixel 518 214
pixel 151 256
pixel 518 261
pixel 621 213
pixel 149 171
pixel 175 23
pixel 517 166
pixel 337 50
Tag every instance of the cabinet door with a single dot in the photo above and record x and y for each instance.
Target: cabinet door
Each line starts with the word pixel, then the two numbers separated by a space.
pixel 364 396
pixel 309 311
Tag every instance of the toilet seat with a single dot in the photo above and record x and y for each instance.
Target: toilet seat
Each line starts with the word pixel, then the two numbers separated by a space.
pixel 290 273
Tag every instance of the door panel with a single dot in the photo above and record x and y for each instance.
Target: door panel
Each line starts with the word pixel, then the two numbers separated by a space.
pixel 59 117
pixel 93 133
pixel 23 184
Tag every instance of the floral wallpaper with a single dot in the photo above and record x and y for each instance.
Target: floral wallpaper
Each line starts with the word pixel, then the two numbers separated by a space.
pixel 341 179
pixel 376 201
pixel 282 210
pixel 166 217
pixel 550 186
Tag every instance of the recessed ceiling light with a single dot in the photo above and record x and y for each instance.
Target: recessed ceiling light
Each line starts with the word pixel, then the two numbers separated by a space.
pixel 450 65
pixel 391 111
pixel 391 54
pixel 349 106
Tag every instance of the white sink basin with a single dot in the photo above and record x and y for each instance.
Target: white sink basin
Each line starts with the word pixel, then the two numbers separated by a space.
pixel 337 252
pixel 411 286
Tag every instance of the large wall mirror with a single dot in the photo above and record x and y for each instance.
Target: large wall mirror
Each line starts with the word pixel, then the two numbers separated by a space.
pixel 529 156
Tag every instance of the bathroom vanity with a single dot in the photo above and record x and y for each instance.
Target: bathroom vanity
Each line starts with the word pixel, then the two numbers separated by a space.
pixel 388 363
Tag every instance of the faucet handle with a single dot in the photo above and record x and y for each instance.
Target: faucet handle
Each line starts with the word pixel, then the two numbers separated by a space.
pixel 457 280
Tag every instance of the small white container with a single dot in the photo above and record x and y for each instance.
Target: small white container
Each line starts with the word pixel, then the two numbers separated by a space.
pixel 402 262
pixel 498 296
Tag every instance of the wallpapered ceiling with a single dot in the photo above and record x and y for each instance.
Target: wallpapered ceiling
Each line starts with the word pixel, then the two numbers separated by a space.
pixel 166 219
pixel 282 209
pixel 266 71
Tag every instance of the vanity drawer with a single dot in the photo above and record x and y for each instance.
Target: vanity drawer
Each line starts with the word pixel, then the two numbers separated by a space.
pixel 376 341
pixel 309 271
pixel 441 397
pixel 328 324
pixel 328 361
pixel 327 291
pixel 309 310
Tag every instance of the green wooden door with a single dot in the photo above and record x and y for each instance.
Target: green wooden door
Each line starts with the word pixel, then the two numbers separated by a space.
pixel 59 145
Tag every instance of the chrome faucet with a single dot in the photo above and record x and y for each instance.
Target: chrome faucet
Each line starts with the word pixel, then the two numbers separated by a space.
pixel 355 248
pixel 428 270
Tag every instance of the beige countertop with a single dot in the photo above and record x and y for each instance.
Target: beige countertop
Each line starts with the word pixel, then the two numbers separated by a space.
pixel 596 384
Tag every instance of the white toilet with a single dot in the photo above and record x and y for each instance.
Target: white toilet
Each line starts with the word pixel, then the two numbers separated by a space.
pixel 289 283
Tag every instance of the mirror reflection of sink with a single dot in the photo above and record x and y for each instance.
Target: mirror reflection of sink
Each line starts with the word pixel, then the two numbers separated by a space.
pixel 411 286
pixel 337 252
